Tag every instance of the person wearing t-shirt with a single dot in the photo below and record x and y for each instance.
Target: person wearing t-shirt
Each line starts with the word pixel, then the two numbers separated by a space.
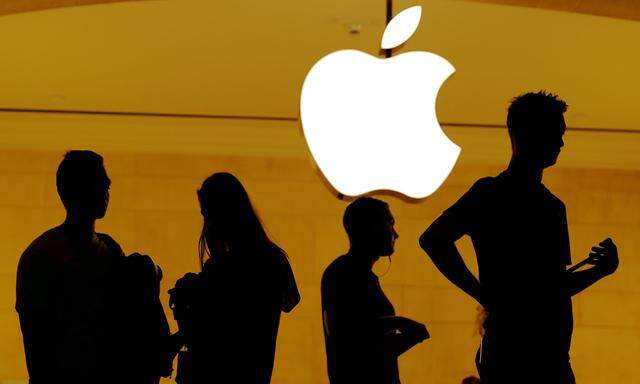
pixel 73 297
pixel 363 336
pixel 519 232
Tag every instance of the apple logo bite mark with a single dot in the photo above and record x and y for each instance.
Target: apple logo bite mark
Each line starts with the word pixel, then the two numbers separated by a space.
pixel 371 123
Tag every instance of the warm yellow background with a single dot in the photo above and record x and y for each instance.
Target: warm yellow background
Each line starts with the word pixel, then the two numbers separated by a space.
pixel 248 58
pixel 154 210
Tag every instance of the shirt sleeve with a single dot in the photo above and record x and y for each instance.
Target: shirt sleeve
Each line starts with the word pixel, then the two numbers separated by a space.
pixel 34 282
pixel 290 293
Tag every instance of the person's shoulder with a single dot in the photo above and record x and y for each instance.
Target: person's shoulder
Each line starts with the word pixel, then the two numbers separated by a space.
pixel 339 264
pixel 272 263
pixel 483 187
pixel 52 236
pixel 273 255
pixel 265 260
pixel 485 183
pixel 45 245
pixel 336 269
pixel 555 201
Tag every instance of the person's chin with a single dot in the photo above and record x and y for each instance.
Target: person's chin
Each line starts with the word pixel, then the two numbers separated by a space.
pixel 551 162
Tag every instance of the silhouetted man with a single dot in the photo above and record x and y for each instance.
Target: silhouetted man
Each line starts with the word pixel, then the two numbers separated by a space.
pixel 363 337
pixel 80 316
pixel 519 232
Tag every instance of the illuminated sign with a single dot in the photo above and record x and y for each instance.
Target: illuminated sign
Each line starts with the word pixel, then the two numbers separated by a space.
pixel 371 123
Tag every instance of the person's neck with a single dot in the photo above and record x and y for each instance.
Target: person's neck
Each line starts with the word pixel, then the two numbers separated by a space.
pixel 79 227
pixel 522 171
pixel 365 257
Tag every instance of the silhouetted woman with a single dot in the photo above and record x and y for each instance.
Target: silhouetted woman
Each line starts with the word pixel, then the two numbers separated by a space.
pixel 229 313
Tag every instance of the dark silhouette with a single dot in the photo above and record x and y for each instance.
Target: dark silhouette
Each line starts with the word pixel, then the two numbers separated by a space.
pixel 88 314
pixel 519 232
pixel 471 380
pixel 229 313
pixel 363 336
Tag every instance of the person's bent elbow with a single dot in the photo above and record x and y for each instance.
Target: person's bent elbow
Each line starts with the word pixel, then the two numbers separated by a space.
pixel 429 242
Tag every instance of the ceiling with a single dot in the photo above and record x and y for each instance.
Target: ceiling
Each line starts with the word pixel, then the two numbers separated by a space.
pixel 624 9
pixel 248 58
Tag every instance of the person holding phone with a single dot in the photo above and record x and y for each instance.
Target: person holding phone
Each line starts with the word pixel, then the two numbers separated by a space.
pixel 520 235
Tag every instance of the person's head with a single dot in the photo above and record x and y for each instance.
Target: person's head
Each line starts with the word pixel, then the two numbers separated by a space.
pixel 370 226
pixel 83 185
pixel 231 225
pixel 536 125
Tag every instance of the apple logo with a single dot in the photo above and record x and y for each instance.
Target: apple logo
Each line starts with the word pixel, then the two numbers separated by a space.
pixel 371 124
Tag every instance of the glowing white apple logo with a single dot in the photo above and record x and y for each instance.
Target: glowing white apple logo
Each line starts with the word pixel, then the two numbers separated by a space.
pixel 371 123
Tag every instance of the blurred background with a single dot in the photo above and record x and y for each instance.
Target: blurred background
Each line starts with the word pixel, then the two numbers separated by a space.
pixel 170 91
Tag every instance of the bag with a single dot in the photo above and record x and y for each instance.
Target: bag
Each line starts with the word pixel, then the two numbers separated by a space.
pixel 145 352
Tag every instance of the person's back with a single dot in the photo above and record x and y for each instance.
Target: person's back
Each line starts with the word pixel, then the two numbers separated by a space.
pixel 237 317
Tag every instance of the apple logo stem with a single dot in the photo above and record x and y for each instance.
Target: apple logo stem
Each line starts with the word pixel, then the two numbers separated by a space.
pixel 371 123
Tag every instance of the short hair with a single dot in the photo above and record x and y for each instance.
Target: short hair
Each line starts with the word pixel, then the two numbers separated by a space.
pixel 361 213
pixel 75 171
pixel 532 110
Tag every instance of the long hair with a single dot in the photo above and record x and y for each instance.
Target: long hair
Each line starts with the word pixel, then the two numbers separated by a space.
pixel 231 224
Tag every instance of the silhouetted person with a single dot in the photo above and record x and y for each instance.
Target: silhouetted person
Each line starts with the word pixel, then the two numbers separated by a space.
pixel 363 336
pixel 79 315
pixel 519 232
pixel 229 313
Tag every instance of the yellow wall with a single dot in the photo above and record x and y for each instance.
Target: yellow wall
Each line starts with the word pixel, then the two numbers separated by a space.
pixel 154 210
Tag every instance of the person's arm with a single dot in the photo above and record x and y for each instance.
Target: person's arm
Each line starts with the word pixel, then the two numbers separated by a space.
pixel 39 343
pixel 604 259
pixel 438 241
pixel 36 314
pixel 347 322
pixel 399 334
